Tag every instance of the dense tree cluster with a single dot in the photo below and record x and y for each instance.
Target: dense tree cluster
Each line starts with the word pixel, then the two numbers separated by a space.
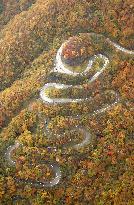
pixel 31 32
pixel 9 8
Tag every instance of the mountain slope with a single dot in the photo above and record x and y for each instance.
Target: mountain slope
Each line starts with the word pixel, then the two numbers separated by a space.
pixel 31 34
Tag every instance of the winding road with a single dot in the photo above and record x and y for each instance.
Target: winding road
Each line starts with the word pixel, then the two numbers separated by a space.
pixel 61 67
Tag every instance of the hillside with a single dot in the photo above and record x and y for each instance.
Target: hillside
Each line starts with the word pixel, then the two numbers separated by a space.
pixel 66 102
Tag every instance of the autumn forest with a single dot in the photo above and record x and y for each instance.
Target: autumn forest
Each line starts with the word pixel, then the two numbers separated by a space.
pixel 66 102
